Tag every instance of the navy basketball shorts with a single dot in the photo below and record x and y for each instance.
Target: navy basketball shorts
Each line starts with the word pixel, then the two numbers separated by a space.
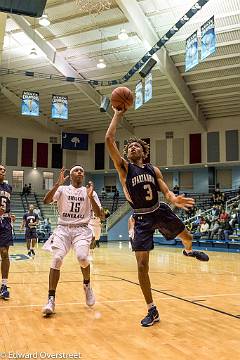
pixel 30 234
pixel 162 219
pixel 6 236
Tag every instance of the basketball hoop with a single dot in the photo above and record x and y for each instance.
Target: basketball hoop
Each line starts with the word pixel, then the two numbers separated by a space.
pixel 93 6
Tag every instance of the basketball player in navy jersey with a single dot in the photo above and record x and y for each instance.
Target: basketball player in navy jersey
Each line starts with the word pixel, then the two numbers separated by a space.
pixel 141 183
pixel 6 238
pixel 30 221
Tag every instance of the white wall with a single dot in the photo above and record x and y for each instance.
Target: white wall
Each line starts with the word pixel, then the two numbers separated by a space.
pixel 26 127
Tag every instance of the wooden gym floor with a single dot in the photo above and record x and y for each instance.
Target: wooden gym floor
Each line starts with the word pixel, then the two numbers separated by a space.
pixel 199 304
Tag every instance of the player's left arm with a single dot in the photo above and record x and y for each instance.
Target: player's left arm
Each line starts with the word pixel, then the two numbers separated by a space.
pixel 179 201
pixel 95 206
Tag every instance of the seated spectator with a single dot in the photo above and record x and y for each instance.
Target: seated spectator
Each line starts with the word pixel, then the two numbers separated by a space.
pixel 233 218
pixel 214 229
pixel 223 215
pixel 176 190
pixel 204 228
pixel 225 230
pixel 106 213
pixel 189 226
pixel 47 225
pixel 116 195
pixel 215 211
pixel 103 193
pixel 217 191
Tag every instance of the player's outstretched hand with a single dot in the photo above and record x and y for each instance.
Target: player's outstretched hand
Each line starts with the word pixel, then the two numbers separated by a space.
pixel 119 112
pixel 184 203
pixel 90 189
pixel 62 178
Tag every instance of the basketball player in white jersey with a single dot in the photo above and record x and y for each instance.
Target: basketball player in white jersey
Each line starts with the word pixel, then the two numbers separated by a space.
pixel 96 227
pixel 74 206
pixel 131 223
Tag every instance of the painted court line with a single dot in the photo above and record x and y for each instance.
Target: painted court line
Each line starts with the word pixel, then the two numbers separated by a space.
pixel 117 301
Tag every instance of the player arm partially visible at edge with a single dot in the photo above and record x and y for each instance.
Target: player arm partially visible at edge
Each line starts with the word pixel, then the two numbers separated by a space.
pixel 179 201
pixel 23 223
pixel 91 195
pixel 110 139
pixel 61 180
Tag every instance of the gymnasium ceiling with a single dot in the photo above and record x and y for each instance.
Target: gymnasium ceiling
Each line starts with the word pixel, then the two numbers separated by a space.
pixel 75 40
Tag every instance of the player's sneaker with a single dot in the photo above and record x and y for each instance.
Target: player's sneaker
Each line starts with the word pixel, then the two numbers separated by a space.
pixel 49 308
pixel 33 252
pixel 199 255
pixel 90 298
pixel 4 293
pixel 29 253
pixel 151 317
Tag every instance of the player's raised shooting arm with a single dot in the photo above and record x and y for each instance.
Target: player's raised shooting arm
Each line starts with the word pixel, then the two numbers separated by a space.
pixel 48 198
pixel 110 140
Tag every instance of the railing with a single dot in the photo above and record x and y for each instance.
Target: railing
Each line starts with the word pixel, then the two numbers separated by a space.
pixel 122 210
pixel 231 201
pixel 193 218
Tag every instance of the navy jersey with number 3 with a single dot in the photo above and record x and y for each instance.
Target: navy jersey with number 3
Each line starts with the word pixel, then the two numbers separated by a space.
pixel 142 186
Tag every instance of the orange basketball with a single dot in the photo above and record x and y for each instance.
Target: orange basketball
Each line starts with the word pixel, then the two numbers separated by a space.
pixel 122 98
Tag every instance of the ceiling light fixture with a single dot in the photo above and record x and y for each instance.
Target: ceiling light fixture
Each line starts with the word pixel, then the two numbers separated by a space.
pixel 123 35
pixel 101 64
pixel 33 53
pixel 44 20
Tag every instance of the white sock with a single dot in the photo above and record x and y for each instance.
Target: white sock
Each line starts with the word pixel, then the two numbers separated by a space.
pixel 151 305
pixel 4 281
pixel 188 251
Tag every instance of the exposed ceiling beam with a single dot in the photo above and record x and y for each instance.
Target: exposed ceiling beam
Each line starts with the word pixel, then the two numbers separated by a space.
pixel 64 67
pixel 3 18
pixel 145 31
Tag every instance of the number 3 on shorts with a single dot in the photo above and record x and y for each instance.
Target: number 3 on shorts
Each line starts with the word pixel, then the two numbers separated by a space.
pixel 149 192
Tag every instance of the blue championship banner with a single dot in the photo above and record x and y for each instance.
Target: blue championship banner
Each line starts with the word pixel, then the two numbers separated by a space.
pixel 30 103
pixel 138 95
pixel 148 88
pixel 74 141
pixel 191 56
pixel 208 38
pixel 59 107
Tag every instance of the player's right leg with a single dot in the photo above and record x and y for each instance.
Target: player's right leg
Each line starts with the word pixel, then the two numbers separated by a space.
pixel 61 244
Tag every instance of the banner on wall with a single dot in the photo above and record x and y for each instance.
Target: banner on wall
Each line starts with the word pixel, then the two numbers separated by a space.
pixel 59 107
pixel 74 141
pixel 148 88
pixel 208 38
pixel 138 95
pixel 30 103
pixel 191 55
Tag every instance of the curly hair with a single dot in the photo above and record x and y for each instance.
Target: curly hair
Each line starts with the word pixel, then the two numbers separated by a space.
pixel 143 144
